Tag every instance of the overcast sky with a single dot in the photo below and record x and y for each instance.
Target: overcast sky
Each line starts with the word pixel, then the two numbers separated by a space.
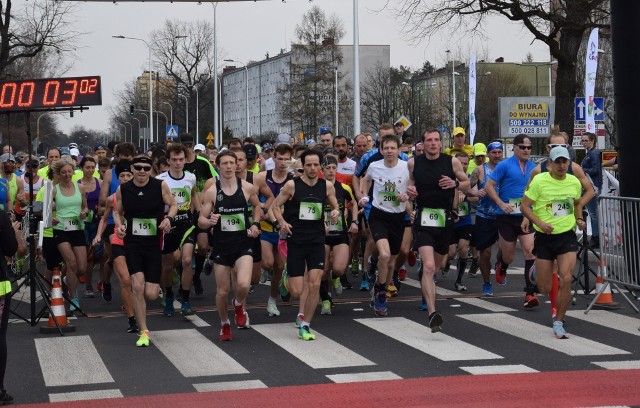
pixel 248 30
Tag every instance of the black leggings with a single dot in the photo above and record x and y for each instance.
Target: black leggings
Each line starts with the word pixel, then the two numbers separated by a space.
pixel 5 307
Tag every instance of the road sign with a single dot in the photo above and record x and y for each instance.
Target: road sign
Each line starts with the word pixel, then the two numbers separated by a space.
pixel 406 122
pixel 172 132
pixel 210 136
pixel 580 109
pixel 442 129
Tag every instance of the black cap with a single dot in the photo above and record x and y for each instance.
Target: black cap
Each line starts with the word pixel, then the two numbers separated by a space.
pixel 123 166
pixel 186 138
pixel 142 159
pixel 251 151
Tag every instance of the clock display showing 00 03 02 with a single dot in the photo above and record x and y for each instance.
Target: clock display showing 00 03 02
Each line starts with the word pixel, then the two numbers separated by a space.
pixel 50 93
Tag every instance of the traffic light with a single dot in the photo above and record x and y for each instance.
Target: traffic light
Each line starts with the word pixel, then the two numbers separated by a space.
pixel 132 110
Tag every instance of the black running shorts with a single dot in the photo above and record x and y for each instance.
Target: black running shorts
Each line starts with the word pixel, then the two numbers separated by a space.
pixel 302 257
pixel 549 246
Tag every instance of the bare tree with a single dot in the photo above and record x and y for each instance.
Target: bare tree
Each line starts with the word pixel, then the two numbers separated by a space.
pixel 376 100
pixel 561 24
pixel 33 28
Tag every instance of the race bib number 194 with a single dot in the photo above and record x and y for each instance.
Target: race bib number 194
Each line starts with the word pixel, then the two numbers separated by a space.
pixel 232 222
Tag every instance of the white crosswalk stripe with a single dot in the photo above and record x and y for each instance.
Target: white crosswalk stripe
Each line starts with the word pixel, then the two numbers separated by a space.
pixel 200 358
pixel 85 395
pixel 499 369
pixel 612 320
pixel 326 352
pixel 418 336
pixel 541 335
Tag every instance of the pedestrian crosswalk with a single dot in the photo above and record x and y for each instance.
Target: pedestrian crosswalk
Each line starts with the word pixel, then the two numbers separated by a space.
pixel 385 349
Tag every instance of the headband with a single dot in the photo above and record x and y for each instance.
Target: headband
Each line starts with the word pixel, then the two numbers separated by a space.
pixel 142 159
pixel 494 146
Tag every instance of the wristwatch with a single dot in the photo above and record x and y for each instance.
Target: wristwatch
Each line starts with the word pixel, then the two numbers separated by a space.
pixel 457 183
pixel 355 222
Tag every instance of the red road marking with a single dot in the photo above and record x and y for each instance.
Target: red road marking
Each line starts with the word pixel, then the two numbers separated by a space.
pixel 550 389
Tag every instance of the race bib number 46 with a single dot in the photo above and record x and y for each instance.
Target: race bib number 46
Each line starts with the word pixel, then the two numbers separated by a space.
pixel 515 204
pixel 232 222
pixel 144 227
pixel 562 208
pixel 432 217
pixel 310 211
pixel 388 198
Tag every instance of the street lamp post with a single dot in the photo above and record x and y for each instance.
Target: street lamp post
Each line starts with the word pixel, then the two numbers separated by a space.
pixel 150 79
pixel 186 100
pixel 536 66
pixel 246 71
pixel 336 97
pixel 171 111
pixel 130 131
pixel 125 133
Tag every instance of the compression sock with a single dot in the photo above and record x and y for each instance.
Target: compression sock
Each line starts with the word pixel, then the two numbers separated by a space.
pixel 530 287
pixel 555 284
pixel 462 265
pixel 324 290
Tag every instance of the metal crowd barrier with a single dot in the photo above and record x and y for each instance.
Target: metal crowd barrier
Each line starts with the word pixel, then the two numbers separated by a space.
pixel 619 221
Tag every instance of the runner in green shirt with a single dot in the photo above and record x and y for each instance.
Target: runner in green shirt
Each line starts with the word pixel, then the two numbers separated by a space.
pixel 553 204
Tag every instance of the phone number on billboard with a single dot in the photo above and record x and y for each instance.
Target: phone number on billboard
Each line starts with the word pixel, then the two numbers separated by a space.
pixel 528 122
pixel 528 130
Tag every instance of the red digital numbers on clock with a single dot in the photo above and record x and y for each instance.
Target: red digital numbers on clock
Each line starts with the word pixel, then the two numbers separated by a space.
pixel 42 94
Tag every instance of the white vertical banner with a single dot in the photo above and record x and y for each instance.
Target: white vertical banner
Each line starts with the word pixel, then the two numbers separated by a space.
pixel 591 67
pixel 472 97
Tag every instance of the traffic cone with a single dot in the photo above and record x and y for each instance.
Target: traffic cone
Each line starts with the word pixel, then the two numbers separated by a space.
pixel 606 298
pixel 59 313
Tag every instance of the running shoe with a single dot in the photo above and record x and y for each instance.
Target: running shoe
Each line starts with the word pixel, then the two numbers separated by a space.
pixel 326 307
pixel 435 322
pixel 501 273
pixel 337 286
pixel 473 269
pixel 411 258
pixel 558 330
pixel 282 287
pixel 299 319
pixel 89 293
pixel 460 287
pixel 272 308
pixel 346 285
pixel 168 309
pixel 531 301
pixel 355 266
pixel 133 327
pixel 143 339
pixel 402 273
pixel 99 286
pixel 263 276
pixel 208 267
pixel 364 285
pixel 5 399
pixel 305 334
pixel 186 309
pixel 242 317
pixel 487 289
pixel 380 303
pixel 392 289
pixel 225 332
pixel 75 305
pixel 106 292
pixel 81 279
pixel 197 285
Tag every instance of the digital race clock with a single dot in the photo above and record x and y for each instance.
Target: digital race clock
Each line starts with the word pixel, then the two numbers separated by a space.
pixel 49 93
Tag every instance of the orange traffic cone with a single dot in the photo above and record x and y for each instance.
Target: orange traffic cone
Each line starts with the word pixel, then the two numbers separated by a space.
pixel 58 312
pixel 605 298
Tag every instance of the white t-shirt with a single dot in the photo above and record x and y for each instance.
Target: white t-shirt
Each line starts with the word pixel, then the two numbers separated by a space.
pixel 181 190
pixel 388 183
pixel 269 164
pixel 345 171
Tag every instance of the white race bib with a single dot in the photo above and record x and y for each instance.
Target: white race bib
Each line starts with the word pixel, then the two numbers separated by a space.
pixel 144 227
pixel 562 208
pixel 388 199
pixel 515 203
pixel 333 226
pixel 433 217
pixel 232 222
pixel 463 209
pixel 310 211
pixel 72 224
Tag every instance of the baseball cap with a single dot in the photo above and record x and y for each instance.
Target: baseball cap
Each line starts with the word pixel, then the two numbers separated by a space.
pixel 266 147
pixel 73 145
pixel 479 149
pixel 7 157
pixel 65 150
pixel 251 151
pixel 310 142
pixel 74 152
pixel 199 147
pixel 186 138
pixel 99 146
pixel 558 152
pixel 283 138
pixel 458 131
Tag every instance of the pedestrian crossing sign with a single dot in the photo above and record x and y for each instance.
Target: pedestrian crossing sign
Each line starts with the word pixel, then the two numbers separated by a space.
pixel 172 131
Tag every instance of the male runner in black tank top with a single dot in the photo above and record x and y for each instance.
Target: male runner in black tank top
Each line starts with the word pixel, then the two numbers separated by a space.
pixel 435 177
pixel 141 201
pixel 225 208
pixel 304 199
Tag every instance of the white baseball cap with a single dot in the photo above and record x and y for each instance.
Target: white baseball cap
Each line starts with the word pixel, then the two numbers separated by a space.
pixel 199 147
